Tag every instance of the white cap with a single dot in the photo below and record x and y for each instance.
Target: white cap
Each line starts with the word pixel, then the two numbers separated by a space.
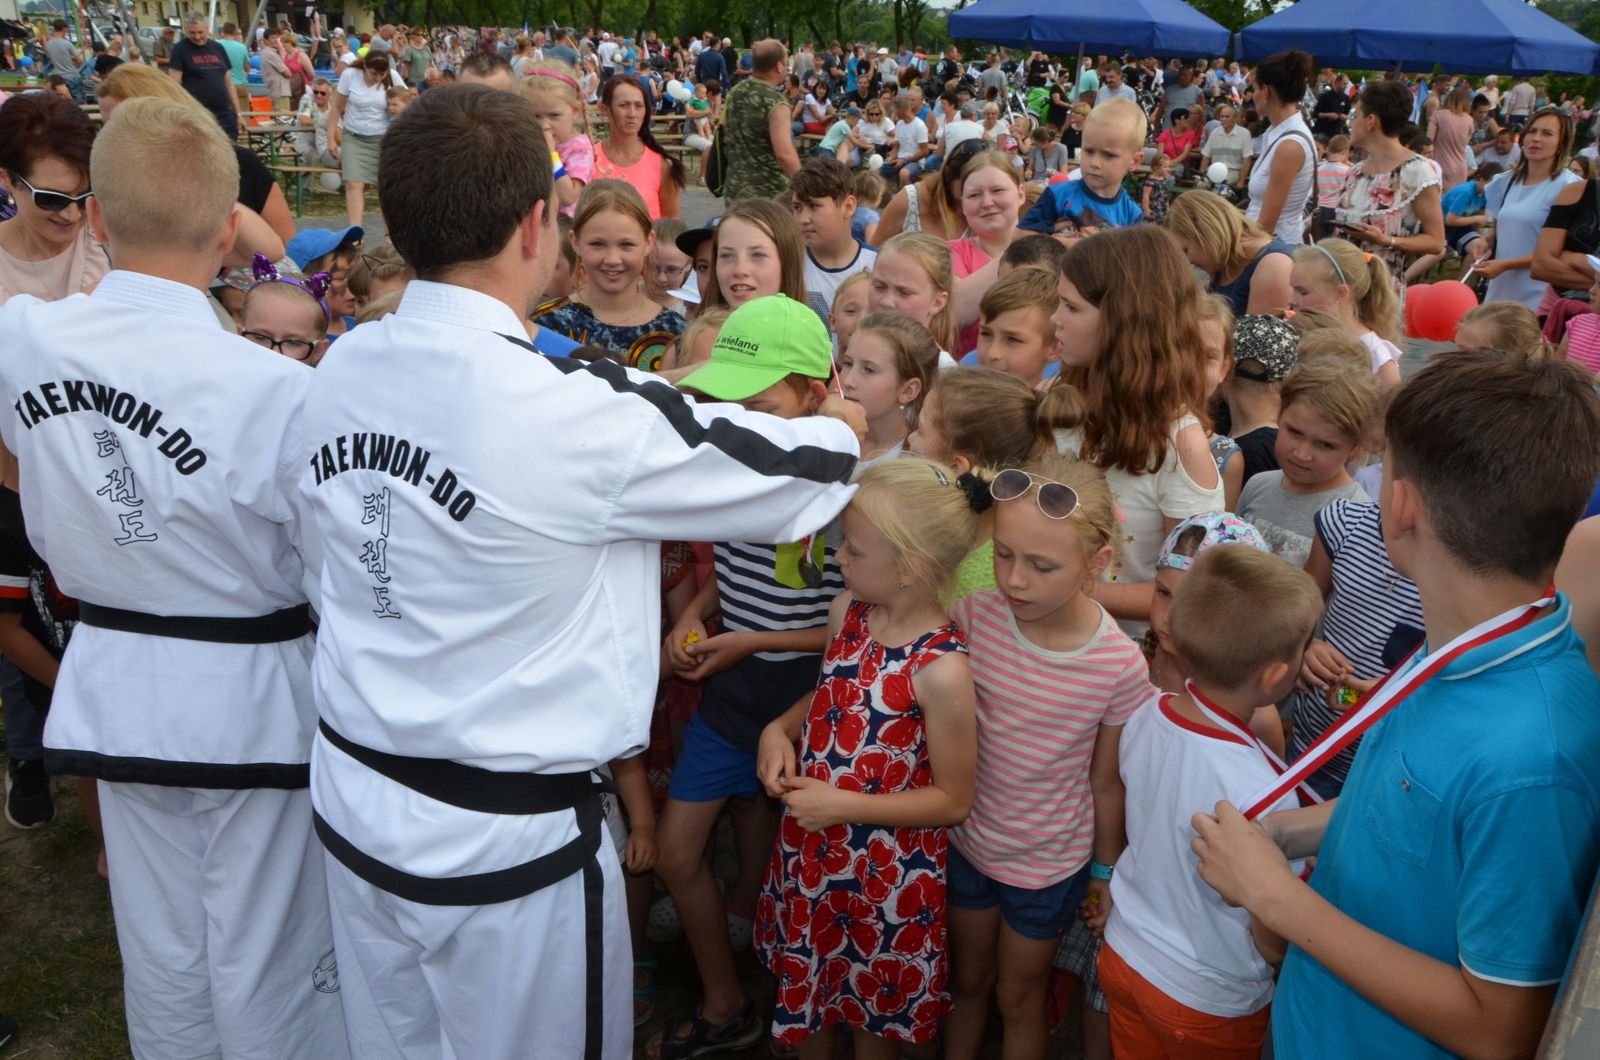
pixel 727 42
pixel 883 51
pixel 690 291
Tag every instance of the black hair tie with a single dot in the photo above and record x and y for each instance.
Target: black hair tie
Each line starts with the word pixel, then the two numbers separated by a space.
pixel 976 490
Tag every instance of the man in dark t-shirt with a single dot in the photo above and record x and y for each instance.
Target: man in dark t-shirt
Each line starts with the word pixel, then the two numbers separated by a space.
pixel 1333 107
pixel 202 67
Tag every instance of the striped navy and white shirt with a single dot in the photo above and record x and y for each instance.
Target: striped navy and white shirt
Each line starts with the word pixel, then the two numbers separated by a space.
pixel 1374 616
pixel 761 591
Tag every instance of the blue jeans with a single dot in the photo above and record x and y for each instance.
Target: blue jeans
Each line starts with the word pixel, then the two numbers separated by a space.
pixel 24 722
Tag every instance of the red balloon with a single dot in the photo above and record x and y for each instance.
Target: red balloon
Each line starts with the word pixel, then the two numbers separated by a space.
pixel 1434 310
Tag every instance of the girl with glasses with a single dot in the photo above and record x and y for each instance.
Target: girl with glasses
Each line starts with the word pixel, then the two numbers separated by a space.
pixel 287 314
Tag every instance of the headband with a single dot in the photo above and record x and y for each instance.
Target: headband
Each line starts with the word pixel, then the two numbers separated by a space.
pixel 556 75
pixel 316 286
pixel 1331 260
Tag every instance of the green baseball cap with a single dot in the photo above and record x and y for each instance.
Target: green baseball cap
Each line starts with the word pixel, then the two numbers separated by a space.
pixel 764 340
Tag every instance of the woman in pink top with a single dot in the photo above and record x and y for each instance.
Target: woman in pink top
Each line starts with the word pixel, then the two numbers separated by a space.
pixel 630 152
pixel 992 203
pixel 1450 130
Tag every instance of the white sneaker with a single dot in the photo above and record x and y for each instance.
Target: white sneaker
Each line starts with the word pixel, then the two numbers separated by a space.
pixel 663 924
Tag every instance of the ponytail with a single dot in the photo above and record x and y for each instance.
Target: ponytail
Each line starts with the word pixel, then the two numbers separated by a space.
pixel 1371 284
pixel 1379 307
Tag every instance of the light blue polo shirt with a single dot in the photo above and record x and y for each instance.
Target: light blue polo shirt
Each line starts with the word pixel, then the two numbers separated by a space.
pixel 1469 830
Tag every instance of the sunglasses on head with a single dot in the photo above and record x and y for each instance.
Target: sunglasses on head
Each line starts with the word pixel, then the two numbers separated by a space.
pixel 52 201
pixel 1055 500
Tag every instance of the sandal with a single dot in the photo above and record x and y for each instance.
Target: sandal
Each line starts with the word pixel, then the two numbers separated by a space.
pixel 704 1038
pixel 644 990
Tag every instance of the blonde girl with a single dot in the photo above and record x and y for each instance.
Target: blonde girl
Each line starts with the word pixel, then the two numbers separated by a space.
pixel 887 751
pixel 992 203
pixel 886 369
pixel 1216 333
pixel 1509 326
pixel 612 237
pixel 977 418
pixel 551 87
pixel 849 306
pixel 1338 277
pixel 913 277
pixel 1133 381
pixel 755 252
pixel 1056 680
pixel 1247 265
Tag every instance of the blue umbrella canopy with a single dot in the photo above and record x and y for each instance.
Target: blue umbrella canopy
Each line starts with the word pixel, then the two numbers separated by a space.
pixel 1462 36
pixel 1143 27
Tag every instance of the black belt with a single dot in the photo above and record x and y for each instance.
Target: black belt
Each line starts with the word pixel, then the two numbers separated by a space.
pixel 291 623
pixel 472 788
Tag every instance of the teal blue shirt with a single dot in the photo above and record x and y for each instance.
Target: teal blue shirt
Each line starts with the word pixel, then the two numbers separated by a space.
pixel 1468 830
pixel 238 60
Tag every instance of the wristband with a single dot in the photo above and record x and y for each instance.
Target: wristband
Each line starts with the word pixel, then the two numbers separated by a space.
pixel 1099 870
pixel 558 170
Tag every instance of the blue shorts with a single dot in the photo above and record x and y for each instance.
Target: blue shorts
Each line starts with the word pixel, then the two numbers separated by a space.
pixel 1042 914
pixel 927 165
pixel 711 768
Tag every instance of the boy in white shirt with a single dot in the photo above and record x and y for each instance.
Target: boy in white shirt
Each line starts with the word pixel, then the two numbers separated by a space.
pixel 911 140
pixel 1182 971
pixel 823 200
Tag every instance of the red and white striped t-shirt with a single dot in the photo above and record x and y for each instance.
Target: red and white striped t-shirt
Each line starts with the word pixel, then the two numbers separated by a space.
pixel 1039 712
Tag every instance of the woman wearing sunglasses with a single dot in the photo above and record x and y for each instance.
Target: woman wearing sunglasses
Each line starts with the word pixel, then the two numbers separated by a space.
pixel 46 250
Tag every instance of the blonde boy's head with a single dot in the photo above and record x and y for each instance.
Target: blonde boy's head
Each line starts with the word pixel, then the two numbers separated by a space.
pixel 1345 394
pixel 1123 115
pixel 1239 611
pixel 187 208
pixel 1023 289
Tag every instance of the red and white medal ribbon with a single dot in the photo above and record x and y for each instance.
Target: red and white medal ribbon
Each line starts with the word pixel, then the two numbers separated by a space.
pixel 1233 725
pixel 1385 696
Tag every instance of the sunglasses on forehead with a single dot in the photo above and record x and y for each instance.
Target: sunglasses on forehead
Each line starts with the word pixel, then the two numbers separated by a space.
pixel 1055 500
pixel 51 201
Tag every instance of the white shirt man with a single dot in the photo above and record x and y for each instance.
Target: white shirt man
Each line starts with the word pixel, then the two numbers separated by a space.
pixel 490 626
pixel 608 53
pixel 158 454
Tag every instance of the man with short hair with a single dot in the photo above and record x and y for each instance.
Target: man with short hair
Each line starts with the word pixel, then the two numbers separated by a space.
pixel 1111 86
pixel 993 78
pixel 384 40
pixel 201 66
pixel 711 65
pixel 756 124
pixel 477 901
pixel 161 50
pixel 238 64
pixel 172 516
pixel 607 51
pixel 562 48
pixel 1184 95
pixel 487 68
pixel 65 58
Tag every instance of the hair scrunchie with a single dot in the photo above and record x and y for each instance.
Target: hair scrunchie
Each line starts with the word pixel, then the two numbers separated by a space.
pixel 976 490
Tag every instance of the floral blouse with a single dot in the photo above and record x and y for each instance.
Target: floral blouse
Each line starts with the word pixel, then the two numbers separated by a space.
pixel 1387 201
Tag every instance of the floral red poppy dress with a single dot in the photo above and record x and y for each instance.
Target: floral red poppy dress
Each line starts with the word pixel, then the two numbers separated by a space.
pixel 852 918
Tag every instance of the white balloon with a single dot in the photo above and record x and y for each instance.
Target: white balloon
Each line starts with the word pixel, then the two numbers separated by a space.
pixel 875 161
pixel 329 181
pixel 1217 173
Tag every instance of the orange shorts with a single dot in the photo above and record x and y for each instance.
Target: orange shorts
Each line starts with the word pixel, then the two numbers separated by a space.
pixel 1148 1025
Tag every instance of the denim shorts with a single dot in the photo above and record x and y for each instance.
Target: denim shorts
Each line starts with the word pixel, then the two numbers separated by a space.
pixel 1042 914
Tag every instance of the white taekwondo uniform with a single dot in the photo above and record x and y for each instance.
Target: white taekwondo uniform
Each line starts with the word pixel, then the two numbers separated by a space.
pixel 490 604
pixel 157 454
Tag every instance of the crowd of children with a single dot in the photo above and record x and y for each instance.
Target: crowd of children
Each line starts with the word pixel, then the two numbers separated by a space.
pixel 1132 562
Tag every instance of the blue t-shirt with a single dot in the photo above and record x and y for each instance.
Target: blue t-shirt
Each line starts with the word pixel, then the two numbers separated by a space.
pixel 864 216
pixel 1071 200
pixel 1468 830
pixel 1464 200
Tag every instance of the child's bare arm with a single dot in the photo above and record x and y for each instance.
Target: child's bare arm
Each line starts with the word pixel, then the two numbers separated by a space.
pixel 633 791
pixel 1110 830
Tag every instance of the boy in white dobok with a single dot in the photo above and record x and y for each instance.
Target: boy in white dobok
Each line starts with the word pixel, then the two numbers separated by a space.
pixel 156 450
pixel 490 520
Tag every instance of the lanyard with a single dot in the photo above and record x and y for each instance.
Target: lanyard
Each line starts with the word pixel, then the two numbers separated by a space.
pixel 1387 695
pixel 1233 725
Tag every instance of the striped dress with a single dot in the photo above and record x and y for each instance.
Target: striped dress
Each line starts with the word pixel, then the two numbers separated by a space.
pixel 1039 712
pixel 1374 616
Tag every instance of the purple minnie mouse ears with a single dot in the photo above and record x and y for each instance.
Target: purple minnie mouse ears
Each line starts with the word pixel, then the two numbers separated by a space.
pixel 262 268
